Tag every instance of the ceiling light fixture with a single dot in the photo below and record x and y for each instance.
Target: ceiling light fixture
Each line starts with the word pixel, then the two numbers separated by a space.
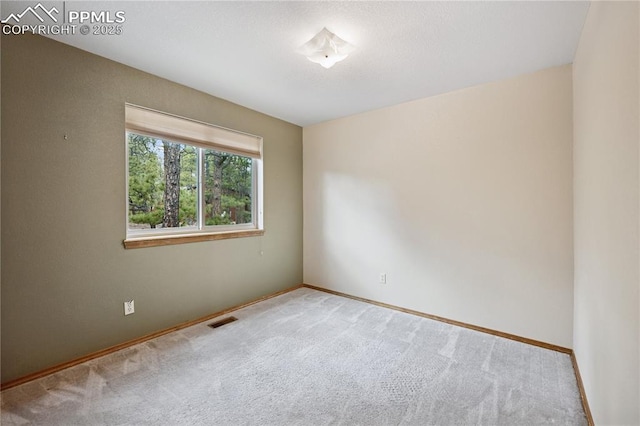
pixel 326 48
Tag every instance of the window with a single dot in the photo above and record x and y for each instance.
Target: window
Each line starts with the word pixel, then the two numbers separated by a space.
pixel 189 181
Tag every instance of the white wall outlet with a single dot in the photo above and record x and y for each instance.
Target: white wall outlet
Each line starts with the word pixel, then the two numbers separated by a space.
pixel 129 308
pixel 383 278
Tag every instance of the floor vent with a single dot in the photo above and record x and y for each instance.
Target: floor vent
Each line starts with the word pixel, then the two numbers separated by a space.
pixel 222 322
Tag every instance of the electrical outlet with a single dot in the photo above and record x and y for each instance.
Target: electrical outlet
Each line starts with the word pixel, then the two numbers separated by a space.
pixel 129 308
pixel 383 278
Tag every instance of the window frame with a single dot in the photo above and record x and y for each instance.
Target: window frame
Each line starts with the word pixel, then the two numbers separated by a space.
pixel 201 232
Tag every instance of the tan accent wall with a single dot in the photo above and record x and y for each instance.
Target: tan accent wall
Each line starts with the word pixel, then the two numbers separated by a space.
pixel 606 211
pixel 463 200
pixel 65 273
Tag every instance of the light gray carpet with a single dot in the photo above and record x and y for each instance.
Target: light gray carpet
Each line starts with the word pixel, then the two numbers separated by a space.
pixel 310 358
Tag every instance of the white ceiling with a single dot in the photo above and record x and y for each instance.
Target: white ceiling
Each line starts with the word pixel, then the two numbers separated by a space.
pixel 245 51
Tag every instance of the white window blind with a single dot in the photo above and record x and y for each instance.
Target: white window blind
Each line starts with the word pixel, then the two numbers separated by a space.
pixel 179 129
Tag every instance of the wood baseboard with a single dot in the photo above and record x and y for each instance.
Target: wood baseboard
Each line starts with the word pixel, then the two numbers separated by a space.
pixel 583 393
pixel 448 321
pixel 115 348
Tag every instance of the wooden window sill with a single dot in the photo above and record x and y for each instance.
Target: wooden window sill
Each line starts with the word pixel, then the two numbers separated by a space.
pixel 167 240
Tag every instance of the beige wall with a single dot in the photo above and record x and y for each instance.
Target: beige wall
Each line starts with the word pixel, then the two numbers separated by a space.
pixel 606 206
pixel 464 200
pixel 65 273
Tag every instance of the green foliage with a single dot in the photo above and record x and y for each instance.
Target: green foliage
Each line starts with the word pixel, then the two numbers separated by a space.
pixel 217 220
pixel 146 183
pixel 153 218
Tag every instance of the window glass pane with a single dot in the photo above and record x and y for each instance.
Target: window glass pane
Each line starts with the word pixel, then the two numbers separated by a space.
pixel 163 190
pixel 227 188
